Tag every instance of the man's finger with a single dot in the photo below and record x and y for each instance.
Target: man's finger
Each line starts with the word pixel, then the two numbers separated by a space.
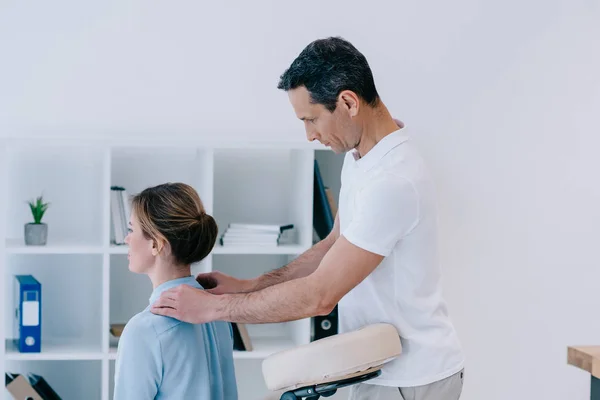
pixel 166 311
pixel 207 281
pixel 170 293
pixel 165 301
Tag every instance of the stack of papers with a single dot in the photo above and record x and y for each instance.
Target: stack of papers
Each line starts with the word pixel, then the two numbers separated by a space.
pixel 240 234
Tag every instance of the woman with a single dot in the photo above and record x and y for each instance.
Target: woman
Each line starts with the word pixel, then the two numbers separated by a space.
pixel 160 357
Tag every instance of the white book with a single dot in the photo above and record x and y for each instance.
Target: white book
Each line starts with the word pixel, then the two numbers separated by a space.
pixel 122 214
pixel 225 242
pixel 127 209
pixel 116 217
pixel 249 240
pixel 252 234
pixel 260 227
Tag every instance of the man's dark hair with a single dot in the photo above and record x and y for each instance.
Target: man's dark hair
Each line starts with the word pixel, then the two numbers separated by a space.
pixel 328 66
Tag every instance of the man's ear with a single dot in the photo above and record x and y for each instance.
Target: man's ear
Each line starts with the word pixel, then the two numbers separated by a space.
pixel 350 102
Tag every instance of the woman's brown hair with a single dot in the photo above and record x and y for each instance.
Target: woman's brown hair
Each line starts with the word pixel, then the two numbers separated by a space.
pixel 174 213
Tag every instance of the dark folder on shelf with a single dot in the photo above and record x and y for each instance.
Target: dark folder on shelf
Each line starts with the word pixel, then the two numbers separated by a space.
pixel 323 218
pixel 241 338
pixel 43 388
pixel 30 387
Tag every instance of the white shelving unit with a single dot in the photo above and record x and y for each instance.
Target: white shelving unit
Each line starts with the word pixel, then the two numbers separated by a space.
pixel 86 284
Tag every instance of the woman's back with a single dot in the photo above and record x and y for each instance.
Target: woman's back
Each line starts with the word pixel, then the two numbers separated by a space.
pixel 163 358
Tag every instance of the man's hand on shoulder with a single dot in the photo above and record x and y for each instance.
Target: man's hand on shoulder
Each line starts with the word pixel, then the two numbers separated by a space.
pixel 217 282
pixel 187 304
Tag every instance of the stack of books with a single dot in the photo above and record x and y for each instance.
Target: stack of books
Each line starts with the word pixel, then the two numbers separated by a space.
pixel 120 210
pixel 240 234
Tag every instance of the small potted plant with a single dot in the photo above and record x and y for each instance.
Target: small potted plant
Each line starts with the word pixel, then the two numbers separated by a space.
pixel 36 232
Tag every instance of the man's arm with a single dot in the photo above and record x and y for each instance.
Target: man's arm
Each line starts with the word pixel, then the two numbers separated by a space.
pixel 388 211
pixel 343 267
pixel 344 264
pixel 302 266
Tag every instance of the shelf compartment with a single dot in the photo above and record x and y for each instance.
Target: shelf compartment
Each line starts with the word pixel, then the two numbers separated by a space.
pixel 71 287
pixel 264 186
pixel 136 169
pixel 80 379
pixel 69 178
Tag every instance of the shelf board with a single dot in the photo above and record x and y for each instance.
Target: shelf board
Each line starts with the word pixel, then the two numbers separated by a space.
pixel 56 350
pixel 112 353
pixel 18 246
pixel 118 249
pixel 262 347
pixel 249 249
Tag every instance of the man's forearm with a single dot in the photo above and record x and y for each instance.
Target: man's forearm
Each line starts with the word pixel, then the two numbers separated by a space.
pixel 301 267
pixel 288 301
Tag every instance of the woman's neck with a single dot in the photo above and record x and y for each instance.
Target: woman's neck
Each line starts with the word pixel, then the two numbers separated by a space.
pixel 165 273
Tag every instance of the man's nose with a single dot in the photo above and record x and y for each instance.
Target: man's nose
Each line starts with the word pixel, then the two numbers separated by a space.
pixel 311 135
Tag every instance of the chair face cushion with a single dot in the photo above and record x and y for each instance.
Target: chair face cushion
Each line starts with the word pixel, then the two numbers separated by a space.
pixel 332 358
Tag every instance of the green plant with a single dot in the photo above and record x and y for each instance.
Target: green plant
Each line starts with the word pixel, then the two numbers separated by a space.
pixel 38 208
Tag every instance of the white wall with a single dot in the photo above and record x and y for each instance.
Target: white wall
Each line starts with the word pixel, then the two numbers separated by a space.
pixel 502 96
pixel 508 120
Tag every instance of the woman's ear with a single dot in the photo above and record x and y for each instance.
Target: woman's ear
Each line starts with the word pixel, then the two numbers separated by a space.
pixel 160 247
pixel 156 248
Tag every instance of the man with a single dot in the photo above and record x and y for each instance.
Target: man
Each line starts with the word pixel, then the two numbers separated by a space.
pixel 379 262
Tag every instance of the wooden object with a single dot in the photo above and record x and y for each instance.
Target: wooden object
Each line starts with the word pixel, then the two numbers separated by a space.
pixel 587 358
pixel 116 329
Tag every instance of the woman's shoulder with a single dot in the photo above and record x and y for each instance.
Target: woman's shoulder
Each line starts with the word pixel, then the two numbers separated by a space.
pixel 153 326
pixel 150 324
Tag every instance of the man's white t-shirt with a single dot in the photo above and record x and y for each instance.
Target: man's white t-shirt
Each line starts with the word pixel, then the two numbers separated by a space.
pixel 387 206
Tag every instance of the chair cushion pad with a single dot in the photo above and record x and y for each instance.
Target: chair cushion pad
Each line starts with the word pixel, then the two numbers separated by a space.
pixel 332 358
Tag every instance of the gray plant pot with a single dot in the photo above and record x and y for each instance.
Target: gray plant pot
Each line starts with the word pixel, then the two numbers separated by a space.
pixel 36 234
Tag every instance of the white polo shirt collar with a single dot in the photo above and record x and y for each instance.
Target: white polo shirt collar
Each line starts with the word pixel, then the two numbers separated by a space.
pixel 380 149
